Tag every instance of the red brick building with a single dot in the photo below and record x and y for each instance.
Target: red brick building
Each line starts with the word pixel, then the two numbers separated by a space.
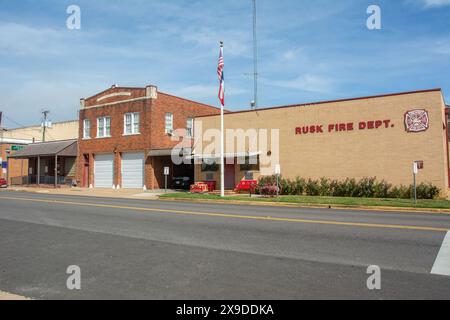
pixel 127 136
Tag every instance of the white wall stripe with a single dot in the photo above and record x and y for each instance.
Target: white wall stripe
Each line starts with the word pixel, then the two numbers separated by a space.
pixel 442 263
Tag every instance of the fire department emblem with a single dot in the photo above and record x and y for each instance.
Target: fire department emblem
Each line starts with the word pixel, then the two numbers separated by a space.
pixel 417 121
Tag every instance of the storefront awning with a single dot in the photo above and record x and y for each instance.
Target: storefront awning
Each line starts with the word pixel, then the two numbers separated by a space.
pixel 68 148
pixel 169 152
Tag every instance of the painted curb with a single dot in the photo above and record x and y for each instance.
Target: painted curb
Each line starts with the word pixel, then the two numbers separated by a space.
pixel 317 206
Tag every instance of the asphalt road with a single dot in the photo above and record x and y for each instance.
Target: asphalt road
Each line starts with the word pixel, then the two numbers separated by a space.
pixel 141 249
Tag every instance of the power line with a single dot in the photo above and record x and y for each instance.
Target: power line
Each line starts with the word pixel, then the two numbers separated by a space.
pixel 21 126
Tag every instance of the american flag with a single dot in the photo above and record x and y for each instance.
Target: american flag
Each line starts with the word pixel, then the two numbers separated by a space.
pixel 221 77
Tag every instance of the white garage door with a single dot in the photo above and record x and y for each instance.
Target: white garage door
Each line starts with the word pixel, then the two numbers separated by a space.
pixel 104 170
pixel 132 170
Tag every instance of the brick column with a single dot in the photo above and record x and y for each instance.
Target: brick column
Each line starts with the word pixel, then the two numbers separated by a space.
pixel 118 169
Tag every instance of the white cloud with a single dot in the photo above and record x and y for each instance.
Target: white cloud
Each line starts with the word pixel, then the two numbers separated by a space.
pixel 307 82
pixel 237 43
pixel 428 4
pixel 435 3
pixel 205 91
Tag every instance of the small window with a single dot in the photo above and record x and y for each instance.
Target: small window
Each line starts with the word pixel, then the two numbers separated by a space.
pixel 189 127
pixel 131 123
pixel 104 127
pixel 249 175
pixel 209 166
pixel 86 129
pixel 251 164
pixel 169 123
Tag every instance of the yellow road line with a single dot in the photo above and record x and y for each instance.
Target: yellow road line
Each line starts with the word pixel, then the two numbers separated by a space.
pixel 234 216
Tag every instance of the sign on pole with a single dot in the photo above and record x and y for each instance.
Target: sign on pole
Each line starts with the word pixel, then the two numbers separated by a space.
pixel 277 169
pixel 278 173
pixel 418 165
pixel 16 148
pixel 166 174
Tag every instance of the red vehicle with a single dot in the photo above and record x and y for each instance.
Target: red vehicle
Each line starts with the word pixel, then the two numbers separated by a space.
pixel 3 183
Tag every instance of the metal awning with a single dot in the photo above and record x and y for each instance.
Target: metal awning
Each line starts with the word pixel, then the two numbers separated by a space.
pixel 169 152
pixel 68 148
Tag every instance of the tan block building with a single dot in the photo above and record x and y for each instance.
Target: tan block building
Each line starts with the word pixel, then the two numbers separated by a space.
pixel 12 140
pixel 378 136
pixel 58 131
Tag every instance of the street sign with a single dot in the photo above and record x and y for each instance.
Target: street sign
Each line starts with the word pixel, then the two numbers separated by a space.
pixel 16 148
pixel 277 169
pixel 416 168
pixel 5 165
pixel 166 174
pixel 418 165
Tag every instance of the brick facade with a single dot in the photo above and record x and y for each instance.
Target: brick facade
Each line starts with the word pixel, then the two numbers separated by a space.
pixel 17 168
pixel 346 151
pixel 152 107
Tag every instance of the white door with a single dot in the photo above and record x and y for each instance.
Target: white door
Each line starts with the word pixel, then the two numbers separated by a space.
pixel 133 170
pixel 104 170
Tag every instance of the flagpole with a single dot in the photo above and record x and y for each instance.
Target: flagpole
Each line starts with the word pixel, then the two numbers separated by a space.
pixel 222 146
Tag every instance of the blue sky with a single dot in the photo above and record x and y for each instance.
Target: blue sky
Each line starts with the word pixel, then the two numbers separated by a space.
pixel 309 51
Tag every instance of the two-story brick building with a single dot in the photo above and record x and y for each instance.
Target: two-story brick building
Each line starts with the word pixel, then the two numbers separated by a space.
pixel 127 137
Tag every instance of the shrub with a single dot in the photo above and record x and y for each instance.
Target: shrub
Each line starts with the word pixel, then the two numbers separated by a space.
pixel 287 187
pixel 300 186
pixel 401 192
pixel 325 187
pixel 267 180
pixel 312 187
pixel 269 190
pixel 366 187
pixel 427 191
pixel 381 189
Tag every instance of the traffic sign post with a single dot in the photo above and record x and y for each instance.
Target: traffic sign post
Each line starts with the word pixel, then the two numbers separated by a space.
pixel 415 171
pixel 166 174
pixel 278 173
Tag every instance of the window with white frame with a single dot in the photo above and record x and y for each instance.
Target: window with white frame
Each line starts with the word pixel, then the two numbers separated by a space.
pixel 189 127
pixel 169 123
pixel 131 123
pixel 86 129
pixel 104 127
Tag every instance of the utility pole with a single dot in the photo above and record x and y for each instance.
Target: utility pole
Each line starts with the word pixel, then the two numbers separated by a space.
pixel 255 58
pixel 1 143
pixel 44 126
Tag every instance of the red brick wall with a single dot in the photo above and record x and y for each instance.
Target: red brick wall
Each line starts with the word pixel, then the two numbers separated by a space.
pixel 134 93
pixel 181 109
pixel 152 127
pixel 16 167
pixel 117 143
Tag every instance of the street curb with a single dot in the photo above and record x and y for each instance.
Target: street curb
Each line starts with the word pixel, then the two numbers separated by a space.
pixel 317 206
pixel 49 192
pixel 262 203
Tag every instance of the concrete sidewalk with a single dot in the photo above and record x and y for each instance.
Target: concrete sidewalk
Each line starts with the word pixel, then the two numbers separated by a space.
pixel 102 193
pixel 5 296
